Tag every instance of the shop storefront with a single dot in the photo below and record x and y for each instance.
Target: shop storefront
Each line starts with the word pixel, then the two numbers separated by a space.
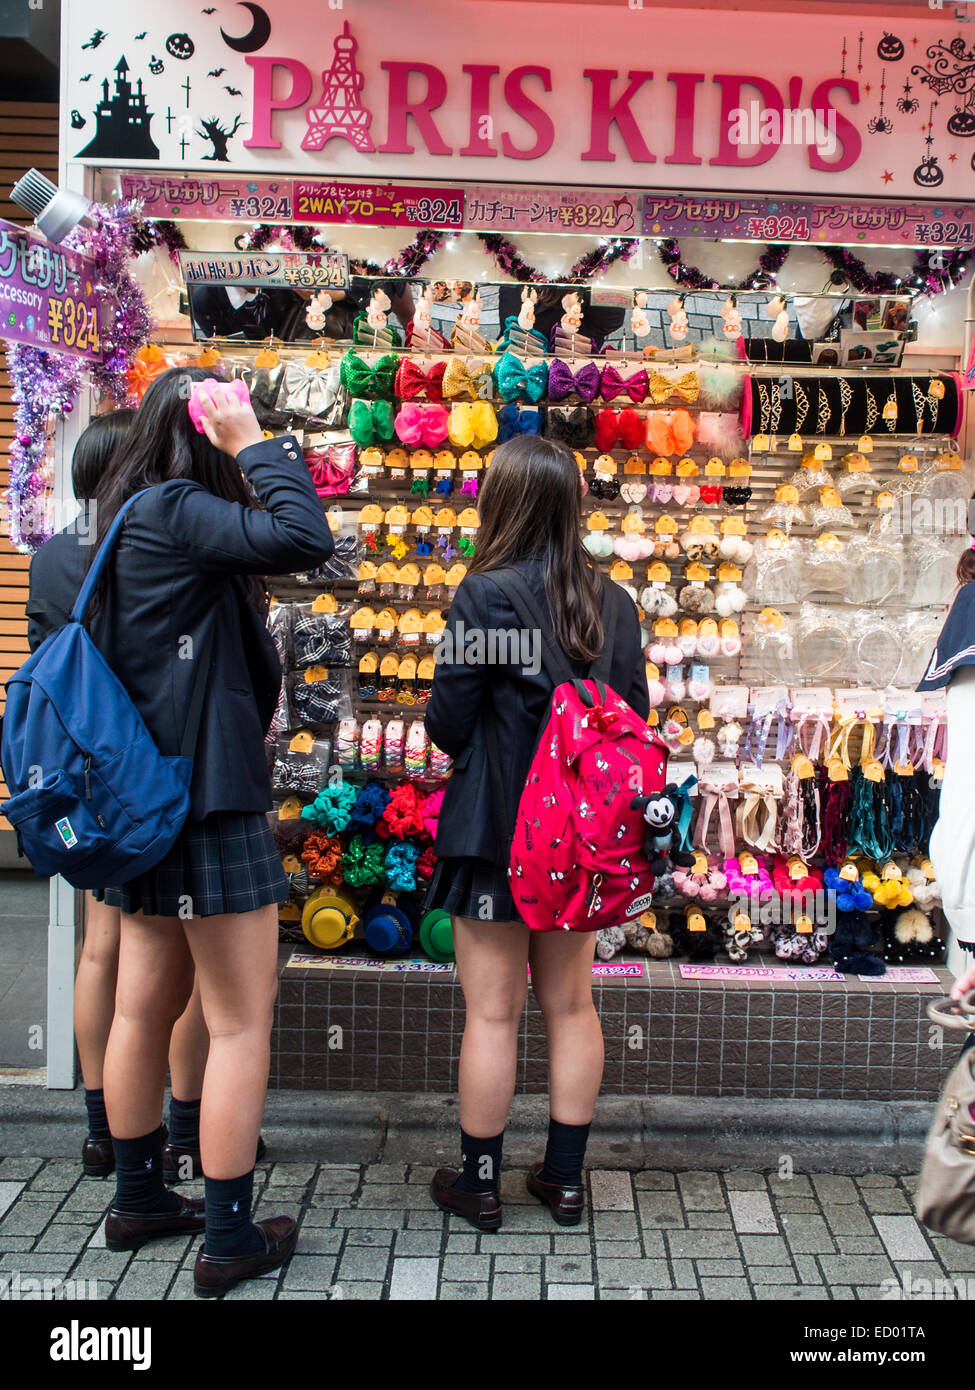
pixel 715 283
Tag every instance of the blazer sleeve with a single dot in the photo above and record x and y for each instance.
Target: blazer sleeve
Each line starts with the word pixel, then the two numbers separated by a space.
pixel 458 686
pixel 630 652
pixel 290 534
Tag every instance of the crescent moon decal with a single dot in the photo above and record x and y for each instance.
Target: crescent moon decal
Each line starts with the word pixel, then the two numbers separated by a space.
pixel 258 36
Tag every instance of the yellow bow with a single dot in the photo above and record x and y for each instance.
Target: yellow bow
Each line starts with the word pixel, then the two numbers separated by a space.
pixel 457 379
pixel 687 387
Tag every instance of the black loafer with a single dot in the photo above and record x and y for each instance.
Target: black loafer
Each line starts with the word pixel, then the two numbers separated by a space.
pixel 98 1158
pixel 214 1275
pixel 482 1209
pixel 183 1165
pixel 129 1230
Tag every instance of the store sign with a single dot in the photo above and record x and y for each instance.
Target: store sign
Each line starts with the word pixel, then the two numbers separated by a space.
pixel 772 219
pixel 266 269
pixel 48 297
pixel 622 94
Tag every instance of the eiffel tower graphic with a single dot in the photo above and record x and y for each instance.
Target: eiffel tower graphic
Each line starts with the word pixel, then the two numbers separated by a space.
pixel 341 113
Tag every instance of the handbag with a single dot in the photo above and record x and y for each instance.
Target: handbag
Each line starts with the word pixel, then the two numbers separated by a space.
pixel 946 1192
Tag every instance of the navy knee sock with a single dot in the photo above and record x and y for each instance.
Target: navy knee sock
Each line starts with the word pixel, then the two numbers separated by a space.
pixel 482 1163
pixel 184 1123
pixel 139 1175
pixel 230 1230
pixel 97 1118
pixel 565 1153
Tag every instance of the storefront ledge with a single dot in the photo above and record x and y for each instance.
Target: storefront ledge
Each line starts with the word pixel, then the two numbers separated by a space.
pixel 672 1132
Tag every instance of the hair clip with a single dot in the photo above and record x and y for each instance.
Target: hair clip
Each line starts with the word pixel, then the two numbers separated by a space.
pixel 445 486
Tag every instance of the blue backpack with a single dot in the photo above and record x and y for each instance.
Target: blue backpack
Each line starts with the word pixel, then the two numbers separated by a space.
pixel 92 798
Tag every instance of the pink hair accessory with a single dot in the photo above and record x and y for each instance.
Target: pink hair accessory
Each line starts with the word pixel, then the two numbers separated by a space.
pixel 203 392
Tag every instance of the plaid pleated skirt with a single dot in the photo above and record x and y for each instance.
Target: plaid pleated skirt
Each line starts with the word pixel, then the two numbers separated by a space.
pixel 472 888
pixel 227 862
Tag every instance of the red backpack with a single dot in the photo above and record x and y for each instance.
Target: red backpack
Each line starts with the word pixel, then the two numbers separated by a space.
pixel 578 860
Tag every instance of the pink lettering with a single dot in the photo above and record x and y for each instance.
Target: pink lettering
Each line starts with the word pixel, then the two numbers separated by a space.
pixel 606 112
pixel 684 97
pixel 731 100
pixel 529 111
pixel 481 75
pixel 400 108
pixel 846 132
pixel 265 103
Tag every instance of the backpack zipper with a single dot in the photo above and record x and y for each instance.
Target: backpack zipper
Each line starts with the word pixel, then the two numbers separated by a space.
pixel 87 770
pixel 596 885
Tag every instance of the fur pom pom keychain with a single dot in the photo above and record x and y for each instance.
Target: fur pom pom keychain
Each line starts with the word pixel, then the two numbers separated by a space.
pixel 776 309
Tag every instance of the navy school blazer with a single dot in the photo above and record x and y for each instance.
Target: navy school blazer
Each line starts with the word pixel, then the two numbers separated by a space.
pixel 176 580
pixel 470 824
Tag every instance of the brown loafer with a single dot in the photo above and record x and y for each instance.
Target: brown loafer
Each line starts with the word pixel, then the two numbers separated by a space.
pixel 214 1275
pixel 181 1164
pixel 98 1158
pixel 481 1209
pixel 565 1203
pixel 129 1230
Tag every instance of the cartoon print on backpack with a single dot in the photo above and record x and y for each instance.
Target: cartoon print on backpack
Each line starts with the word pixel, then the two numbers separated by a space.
pixel 659 811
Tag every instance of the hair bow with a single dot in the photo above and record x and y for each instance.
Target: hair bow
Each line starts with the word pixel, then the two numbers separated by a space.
pixel 611 385
pixel 670 432
pixel 457 380
pixel 412 381
pixel 571 425
pixel 686 388
pixel 626 427
pixel 513 420
pixel 563 382
pixel 472 425
pixel 332 469
pixel 370 421
pixel 421 424
pixel 310 392
pixel 375 382
pixel 513 379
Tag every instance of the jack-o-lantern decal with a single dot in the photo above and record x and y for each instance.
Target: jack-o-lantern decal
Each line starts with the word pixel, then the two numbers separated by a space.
pixel 890 48
pixel 180 46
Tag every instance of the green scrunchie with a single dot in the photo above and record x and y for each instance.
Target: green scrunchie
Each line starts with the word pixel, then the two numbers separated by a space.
pixel 370 422
pixel 375 381
pixel 362 864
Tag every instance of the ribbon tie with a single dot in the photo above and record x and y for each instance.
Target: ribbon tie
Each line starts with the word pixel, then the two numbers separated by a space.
pixel 514 380
pixel 715 796
pixel 458 381
pixel 373 382
pixel 412 381
pixel 563 382
pixel 611 385
pixel 513 420
pixel 311 392
pixel 754 827
pixel 685 388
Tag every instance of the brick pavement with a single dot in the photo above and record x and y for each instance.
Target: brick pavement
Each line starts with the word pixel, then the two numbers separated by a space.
pixel 372 1233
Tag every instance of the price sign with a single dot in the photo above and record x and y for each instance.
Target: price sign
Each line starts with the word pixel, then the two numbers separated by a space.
pixel 48 296
pixel 379 205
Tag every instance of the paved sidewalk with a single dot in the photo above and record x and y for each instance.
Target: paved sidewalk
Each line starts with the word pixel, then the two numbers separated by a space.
pixel 372 1233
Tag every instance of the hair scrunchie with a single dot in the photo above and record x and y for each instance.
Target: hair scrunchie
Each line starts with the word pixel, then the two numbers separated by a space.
pixel 426 864
pixel 369 806
pixel 363 864
pixel 400 864
pixel 431 811
pixel 323 855
pixel 403 815
pixel 332 807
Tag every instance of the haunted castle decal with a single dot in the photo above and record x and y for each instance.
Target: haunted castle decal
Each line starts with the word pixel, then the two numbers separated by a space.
pixel 123 121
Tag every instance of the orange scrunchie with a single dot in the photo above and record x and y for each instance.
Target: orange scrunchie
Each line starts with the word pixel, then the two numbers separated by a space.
pixel 323 855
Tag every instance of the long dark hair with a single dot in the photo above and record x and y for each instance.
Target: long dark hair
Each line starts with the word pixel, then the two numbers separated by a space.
pixel 95 447
pixel 163 444
pixel 965 573
pixel 531 507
